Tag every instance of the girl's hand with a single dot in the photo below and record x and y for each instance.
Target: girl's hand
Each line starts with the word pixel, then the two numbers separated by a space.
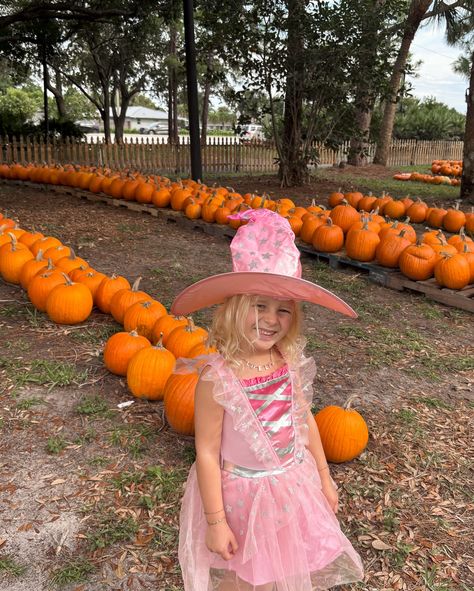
pixel 330 492
pixel 221 540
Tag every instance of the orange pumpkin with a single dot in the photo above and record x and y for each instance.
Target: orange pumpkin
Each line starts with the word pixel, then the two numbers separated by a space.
pixel 124 298
pixel 13 255
pixel 149 370
pixel 452 271
pixel 165 325
pixel 41 286
pixel 183 338
pixel 344 433
pixel 69 302
pixel 328 237
pixel 418 261
pixel 120 348
pixel 142 316
pixel 107 289
pixel 179 402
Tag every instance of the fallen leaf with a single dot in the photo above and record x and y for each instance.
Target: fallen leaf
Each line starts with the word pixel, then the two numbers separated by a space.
pixel 379 545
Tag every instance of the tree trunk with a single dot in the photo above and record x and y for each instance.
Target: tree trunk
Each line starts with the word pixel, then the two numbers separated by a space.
pixel 172 88
pixel 57 92
pixel 359 145
pixel 205 100
pixel 105 115
pixel 416 13
pixel 293 166
pixel 467 180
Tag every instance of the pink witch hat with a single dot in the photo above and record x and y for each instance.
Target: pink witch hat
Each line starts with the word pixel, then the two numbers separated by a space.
pixel 265 261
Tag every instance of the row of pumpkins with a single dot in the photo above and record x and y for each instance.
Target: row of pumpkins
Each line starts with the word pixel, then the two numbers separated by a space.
pixel 431 179
pixel 215 204
pixel 444 173
pixel 65 287
pixel 354 221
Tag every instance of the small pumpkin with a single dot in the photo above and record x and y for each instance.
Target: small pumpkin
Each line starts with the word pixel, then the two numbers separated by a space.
pixel 70 262
pixel 120 348
pixel 69 302
pixel 418 261
pixel 183 338
pixel 165 325
pixel 41 286
pixel 107 289
pixel 329 237
pixel 13 257
pixel 362 243
pixel 452 271
pixel 124 298
pixel 179 402
pixel 142 316
pixel 149 370
pixel 344 432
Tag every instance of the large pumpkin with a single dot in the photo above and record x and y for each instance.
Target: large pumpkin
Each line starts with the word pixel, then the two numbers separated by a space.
pixel 179 402
pixel 344 433
pixel 148 372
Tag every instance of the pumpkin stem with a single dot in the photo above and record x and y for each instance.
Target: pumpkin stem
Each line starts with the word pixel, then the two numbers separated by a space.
pixel 67 278
pixel 14 241
pixel 350 400
pixel 39 256
pixel 136 284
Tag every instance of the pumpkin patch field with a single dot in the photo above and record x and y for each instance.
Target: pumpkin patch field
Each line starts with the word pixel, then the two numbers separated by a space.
pixel 91 474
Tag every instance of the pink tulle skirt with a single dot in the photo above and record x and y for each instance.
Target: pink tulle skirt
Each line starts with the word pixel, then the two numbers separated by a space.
pixel 289 538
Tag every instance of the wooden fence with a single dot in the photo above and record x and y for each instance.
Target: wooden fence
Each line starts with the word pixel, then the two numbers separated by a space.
pixel 157 156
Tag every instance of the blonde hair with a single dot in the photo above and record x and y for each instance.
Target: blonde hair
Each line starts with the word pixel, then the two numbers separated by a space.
pixel 228 336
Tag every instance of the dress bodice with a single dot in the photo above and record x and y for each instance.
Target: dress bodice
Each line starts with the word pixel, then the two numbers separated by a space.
pixel 271 401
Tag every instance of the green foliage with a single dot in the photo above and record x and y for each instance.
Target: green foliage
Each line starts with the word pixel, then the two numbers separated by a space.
pixel 17 107
pixel 428 119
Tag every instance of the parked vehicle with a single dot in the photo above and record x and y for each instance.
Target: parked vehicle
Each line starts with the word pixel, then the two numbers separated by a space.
pixel 154 129
pixel 252 133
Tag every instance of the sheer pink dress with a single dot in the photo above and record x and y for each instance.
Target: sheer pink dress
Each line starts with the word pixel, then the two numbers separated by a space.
pixel 289 538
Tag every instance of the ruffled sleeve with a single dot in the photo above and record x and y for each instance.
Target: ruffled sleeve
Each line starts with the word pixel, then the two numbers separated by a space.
pixel 228 392
pixel 302 375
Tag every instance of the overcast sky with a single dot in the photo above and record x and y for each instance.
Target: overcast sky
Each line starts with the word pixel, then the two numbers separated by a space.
pixel 436 77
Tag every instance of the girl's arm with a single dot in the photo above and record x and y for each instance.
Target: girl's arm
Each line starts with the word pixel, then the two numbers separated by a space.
pixel 208 418
pixel 316 448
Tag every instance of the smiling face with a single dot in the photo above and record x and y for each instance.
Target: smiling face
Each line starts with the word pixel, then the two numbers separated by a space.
pixel 268 322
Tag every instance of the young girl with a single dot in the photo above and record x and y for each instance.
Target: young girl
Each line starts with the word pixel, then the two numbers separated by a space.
pixel 258 513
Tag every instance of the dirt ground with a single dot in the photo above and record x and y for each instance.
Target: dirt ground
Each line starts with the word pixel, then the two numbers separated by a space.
pixel 89 492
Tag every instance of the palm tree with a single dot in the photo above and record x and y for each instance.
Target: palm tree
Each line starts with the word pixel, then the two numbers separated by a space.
pixel 417 13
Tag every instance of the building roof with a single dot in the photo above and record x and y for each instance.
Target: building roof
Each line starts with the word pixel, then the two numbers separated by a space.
pixel 146 113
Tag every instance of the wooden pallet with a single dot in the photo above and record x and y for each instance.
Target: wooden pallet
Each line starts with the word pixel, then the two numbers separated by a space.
pixel 391 278
pixel 457 298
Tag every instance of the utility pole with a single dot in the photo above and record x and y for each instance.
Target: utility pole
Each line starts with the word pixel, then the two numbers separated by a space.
pixel 191 83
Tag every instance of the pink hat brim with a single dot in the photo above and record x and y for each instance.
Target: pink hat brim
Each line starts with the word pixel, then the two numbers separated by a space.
pixel 215 289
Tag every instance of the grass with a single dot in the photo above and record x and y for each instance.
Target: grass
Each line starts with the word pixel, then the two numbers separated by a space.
pixel 43 373
pixel 75 571
pixel 93 406
pixel 133 438
pixel 164 484
pixel 28 403
pixel 56 444
pixel 95 335
pixel 9 567
pixel 110 529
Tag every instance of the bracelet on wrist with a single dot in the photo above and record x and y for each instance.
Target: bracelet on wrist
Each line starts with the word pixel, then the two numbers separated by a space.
pixel 213 512
pixel 216 521
pixel 322 469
